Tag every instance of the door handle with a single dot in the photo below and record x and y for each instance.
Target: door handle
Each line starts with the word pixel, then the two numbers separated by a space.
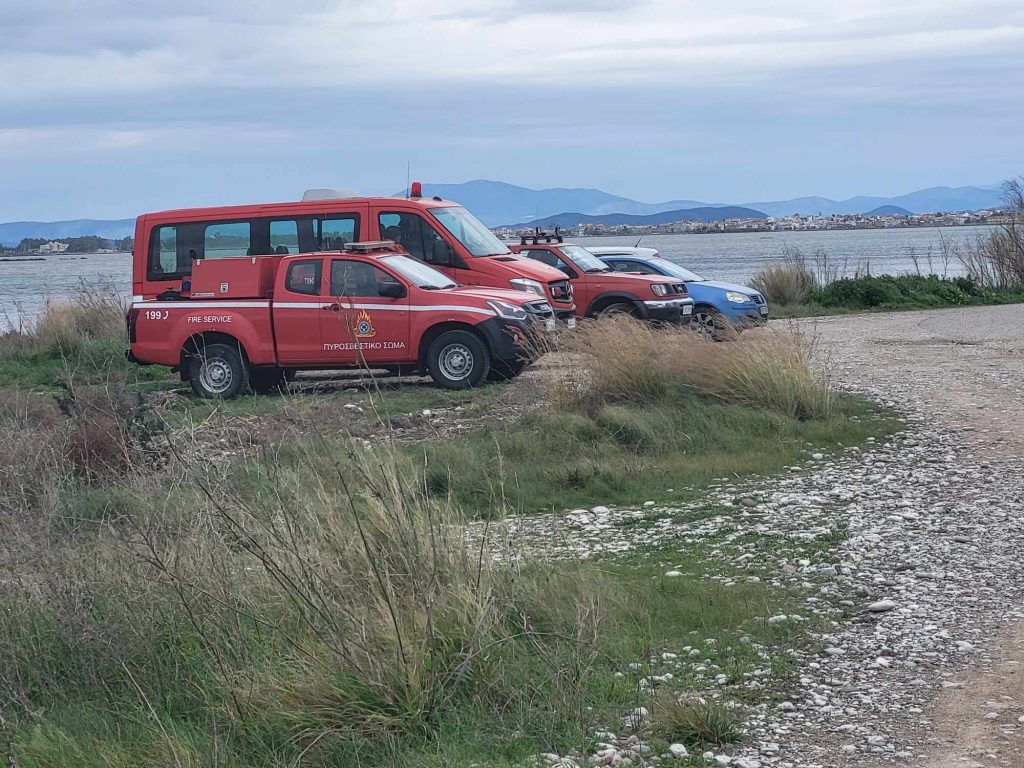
pixel 331 307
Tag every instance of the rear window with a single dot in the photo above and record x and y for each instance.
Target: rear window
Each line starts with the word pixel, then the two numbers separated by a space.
pixel 304 277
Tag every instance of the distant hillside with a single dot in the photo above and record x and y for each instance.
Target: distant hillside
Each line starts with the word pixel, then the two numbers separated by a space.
pixel 922 201
pixel 888 210
pixel 566 220
pixel 496 202
pixel 13 232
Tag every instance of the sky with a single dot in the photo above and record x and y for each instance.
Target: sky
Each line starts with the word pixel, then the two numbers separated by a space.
pixel 110 108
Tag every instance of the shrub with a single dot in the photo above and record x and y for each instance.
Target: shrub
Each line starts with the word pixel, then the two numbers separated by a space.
pixel 785 284
pixel 695 721
pixel 997 262
pixel 623 360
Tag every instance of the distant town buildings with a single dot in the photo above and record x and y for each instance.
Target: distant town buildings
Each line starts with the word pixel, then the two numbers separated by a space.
pixel 53 247
pixel 793 223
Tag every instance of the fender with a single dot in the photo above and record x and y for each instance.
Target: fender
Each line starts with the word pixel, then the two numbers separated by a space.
pixel 612 297
pixel 250 327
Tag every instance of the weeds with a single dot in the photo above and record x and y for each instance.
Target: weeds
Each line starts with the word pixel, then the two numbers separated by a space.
pixel 694 721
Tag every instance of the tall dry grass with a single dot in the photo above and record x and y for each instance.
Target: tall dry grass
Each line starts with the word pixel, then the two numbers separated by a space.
pixel 623 360
pixel 997 261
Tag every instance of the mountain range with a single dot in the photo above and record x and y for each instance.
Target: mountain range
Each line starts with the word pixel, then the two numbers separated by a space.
pixel 705 213
pixel 497 203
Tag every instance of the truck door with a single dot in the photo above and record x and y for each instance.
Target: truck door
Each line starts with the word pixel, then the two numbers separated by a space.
pixel 297 312
pixel 362 324
pixel 422 241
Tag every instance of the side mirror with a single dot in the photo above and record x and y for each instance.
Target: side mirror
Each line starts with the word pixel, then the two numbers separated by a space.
pixel 392 289
pixel 442 253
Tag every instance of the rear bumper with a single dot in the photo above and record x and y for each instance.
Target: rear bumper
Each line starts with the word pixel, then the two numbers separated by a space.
pixel 671 311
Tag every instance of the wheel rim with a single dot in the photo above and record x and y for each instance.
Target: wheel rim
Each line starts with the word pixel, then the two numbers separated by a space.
pixel 704 323
pixel 455 361
pixel 216 375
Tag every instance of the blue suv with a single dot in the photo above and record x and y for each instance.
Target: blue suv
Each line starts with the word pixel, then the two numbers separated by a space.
pixel 718 307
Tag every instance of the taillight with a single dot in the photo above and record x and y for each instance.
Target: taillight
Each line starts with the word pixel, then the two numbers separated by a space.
pixel 131 320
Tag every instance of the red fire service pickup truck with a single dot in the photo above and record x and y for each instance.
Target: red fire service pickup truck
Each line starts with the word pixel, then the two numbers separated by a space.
pixel 244 323
pixel 599 291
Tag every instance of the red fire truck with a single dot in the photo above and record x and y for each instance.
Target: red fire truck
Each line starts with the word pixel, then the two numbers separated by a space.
pixel 243 323
pixel 599 291
pixel 437 232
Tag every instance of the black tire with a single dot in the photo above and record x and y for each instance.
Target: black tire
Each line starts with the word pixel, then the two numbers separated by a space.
pixel 218 372
pixel 618 308
pixel 711 324
pixel 458 360
pixel 506 370
pixel 268 380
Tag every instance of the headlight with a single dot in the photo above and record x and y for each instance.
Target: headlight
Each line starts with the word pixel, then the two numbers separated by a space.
pixel 737 298
pixel 525 284
pixel 506 310
pixel 660 289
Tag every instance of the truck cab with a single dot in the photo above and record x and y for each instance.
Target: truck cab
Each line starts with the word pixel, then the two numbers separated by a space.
pixel 242 323
pixel 598 290
pixel 437 232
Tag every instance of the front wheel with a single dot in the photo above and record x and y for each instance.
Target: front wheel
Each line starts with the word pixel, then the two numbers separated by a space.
pixel 619 308
pixel 458 360
pixel 711 324
pixel 218 372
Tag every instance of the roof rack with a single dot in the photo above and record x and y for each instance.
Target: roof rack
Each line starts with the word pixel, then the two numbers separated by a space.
pixel 539 235
pixel 328 194
pixel 367 246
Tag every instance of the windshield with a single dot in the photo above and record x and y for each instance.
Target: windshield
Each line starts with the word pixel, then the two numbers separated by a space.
pixel 469 231
pixel 681 272
pixel 583 258
pixel 418 273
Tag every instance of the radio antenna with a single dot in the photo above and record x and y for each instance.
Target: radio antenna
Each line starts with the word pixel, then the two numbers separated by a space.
pixel 408 175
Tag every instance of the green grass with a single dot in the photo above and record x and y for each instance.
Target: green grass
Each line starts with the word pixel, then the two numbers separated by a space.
pixel 885 293
pixel 627 455
pixel 174 713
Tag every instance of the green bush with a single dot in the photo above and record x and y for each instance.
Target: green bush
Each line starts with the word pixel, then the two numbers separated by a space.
pixel 905 292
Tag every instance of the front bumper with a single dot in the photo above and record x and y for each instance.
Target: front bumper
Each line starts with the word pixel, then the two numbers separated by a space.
pixel 671 311
pixel 566 317
pixel 748 316
pixel 512 340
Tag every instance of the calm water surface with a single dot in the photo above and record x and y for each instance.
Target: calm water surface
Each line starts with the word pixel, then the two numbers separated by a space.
pixel 26 286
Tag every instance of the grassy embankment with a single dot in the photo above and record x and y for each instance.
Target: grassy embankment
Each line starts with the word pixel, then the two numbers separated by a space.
pixel 279 581
pixel 993 268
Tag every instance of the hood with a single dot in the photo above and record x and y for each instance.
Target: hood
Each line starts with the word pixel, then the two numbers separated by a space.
pixel 727 286
pixel 505 294
pixel 520 266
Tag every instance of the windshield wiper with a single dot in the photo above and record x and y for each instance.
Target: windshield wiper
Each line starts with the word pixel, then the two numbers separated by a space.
pixel 597 269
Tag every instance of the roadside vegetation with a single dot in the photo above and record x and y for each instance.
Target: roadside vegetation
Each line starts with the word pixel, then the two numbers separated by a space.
pixel 291 580
pixel 993 273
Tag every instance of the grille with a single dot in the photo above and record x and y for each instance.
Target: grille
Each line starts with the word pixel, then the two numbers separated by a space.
pixel 539 308
pixel 678 289
pixel 757 297
pixel 561 290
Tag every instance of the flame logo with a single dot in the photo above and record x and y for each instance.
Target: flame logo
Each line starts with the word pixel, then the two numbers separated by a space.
pixel 362 326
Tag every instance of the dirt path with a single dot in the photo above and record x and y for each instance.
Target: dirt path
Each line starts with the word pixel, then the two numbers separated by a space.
pixel 962 370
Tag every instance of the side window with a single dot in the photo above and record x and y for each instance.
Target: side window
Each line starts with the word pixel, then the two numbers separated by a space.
pixel 417 237
pixel 303 277
pixel 165 258
pixel 227 239
pixel 338 231
pixel 172 247
pixel 545 256
pixel 356 279
pixel 636 266
pixel 284 237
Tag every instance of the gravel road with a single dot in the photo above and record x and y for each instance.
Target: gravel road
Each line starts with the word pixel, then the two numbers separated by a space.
pixel 929 672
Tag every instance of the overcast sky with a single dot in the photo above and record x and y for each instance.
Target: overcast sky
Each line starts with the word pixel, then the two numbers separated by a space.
pixel 109 108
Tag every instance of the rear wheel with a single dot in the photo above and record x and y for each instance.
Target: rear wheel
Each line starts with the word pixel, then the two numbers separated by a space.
pixel 458 360
pixel 218 371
